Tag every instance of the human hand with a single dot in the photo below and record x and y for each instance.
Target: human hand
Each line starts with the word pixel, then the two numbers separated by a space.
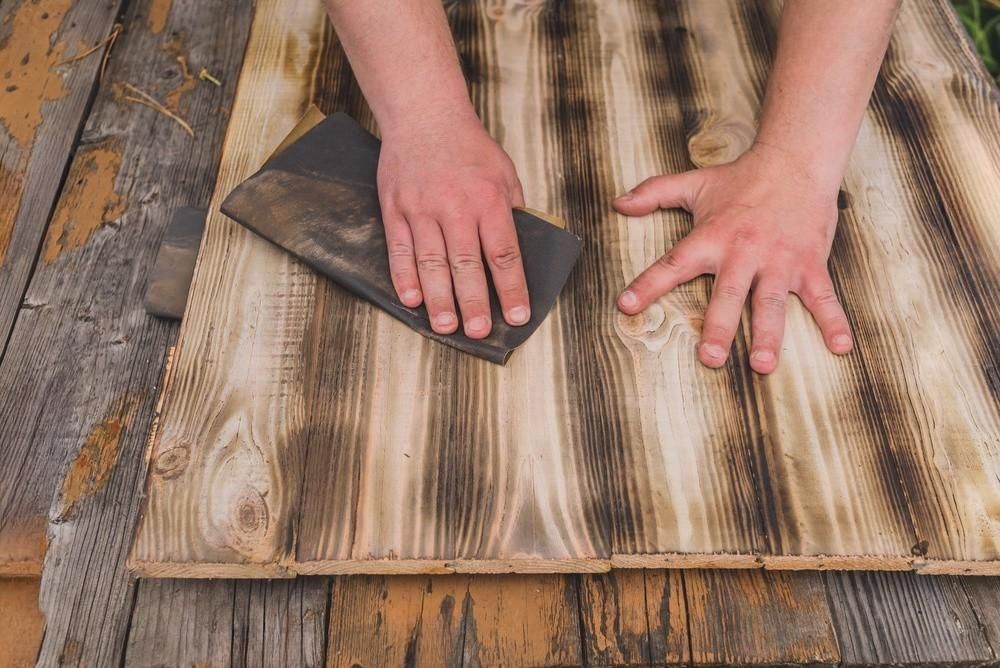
pixel 446 190
pixel 760 224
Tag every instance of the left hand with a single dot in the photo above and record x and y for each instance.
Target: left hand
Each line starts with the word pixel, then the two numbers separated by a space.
pixel 761 225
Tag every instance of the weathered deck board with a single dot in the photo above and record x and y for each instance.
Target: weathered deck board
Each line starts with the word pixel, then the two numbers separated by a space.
pixel 239 482
pixel 330 439
pixel 751 618
pixel 897 618
pixel 21 622
pixel 44 103
pixel 45 100
pixel 84 362
pixel 228 622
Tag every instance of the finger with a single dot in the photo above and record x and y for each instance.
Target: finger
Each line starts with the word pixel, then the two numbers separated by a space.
pixel 503 255
pixel 435 276
pixel 722 318
pixel 660 192
pixel 767 324
pixel 689 259
pixel 821 299
pixel 469 278
pixel 402 263
pixel 517 194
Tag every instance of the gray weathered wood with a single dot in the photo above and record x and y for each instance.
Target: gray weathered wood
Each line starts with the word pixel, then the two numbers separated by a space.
pixel 903 618
pixel 42 109
pixel 84 362
pixel 227 622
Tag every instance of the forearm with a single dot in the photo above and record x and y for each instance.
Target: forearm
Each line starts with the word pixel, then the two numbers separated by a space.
pixel 827 60
pixel 404 58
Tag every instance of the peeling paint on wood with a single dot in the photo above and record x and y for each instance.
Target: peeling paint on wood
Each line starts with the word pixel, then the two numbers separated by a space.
pixel 88 201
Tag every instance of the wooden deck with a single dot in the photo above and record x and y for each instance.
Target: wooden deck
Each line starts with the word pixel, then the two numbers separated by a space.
pixel 87 186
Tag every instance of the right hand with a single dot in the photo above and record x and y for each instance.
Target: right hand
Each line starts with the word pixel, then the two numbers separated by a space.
pixel 446 191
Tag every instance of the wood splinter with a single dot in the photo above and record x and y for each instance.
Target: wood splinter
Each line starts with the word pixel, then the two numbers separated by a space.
pixel 151 102
pixel 107 44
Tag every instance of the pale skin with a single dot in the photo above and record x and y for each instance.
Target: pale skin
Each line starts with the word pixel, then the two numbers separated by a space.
pixel 763 224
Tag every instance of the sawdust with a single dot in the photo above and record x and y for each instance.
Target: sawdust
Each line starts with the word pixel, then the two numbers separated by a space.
pixel 92 466
pixel 88 202
pixel 156 21
pixel 27 61
pixel 21 622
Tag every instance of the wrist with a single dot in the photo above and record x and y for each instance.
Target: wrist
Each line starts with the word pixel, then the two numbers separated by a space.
pixel 822 173
pixel 431 117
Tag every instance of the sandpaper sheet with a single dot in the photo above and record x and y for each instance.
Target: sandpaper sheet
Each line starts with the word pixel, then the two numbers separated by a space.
pixel 317 199
pixel 170 279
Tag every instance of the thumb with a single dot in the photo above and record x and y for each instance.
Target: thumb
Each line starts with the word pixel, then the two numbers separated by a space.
pixel 668 191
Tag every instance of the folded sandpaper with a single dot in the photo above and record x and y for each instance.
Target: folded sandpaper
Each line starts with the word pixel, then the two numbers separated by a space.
pixel 317 199
pixel 170 279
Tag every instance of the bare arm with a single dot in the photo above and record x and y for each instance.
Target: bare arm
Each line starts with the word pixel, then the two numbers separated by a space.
pixel 765 222
pixel 445 187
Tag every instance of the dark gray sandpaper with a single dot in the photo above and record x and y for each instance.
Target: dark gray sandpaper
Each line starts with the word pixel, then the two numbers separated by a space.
pixel 169 281
pixel 317 199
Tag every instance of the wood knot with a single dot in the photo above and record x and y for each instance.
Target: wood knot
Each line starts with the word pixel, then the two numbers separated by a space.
pixel 641 324
pixel 173 462
pixel 719 142
pixel 250 515
pixel 920 549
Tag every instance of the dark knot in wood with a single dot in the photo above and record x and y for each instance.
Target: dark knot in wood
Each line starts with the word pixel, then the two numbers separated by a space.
pixel 173 462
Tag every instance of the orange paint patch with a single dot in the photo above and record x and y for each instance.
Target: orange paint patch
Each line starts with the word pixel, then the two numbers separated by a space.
pixel 11 189
pixel 21 622
pixel 157 18
pixel 88 201
pixel 90 470
pixel 188 83
pixel 27 60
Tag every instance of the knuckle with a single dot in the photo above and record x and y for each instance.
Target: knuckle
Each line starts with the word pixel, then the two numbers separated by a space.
pixel 465 263
pixel 772 299
pixel 400 250
pixel 717 333
pixel 432 262
pixel 505 257
pixel 825 297
pixel 730 292
pixel 438 303
pixel 672 261
pixel 473 304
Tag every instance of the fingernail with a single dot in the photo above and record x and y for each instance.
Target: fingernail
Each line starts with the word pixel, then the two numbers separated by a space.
pixel 713 351
pixel 411 296
pixel 444 320
pixel 478 324
pixel 842 340
pixel 517 315
pixel 628 299
pixel 765 356
pixel 625 197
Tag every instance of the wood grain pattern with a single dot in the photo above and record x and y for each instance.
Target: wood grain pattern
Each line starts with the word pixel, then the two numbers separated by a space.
pixel 44 104
pixel 227 622
pixel 897 618
pixel 45 100
pixel 749 617
pixel 308 433
pixel 228 496
pixel 84 362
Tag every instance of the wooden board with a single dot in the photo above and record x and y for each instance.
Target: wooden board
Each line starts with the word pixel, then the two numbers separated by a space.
pixel 225 622
pixel 44 103
pixel 21 622
pixel 308 433
pixel 85 363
